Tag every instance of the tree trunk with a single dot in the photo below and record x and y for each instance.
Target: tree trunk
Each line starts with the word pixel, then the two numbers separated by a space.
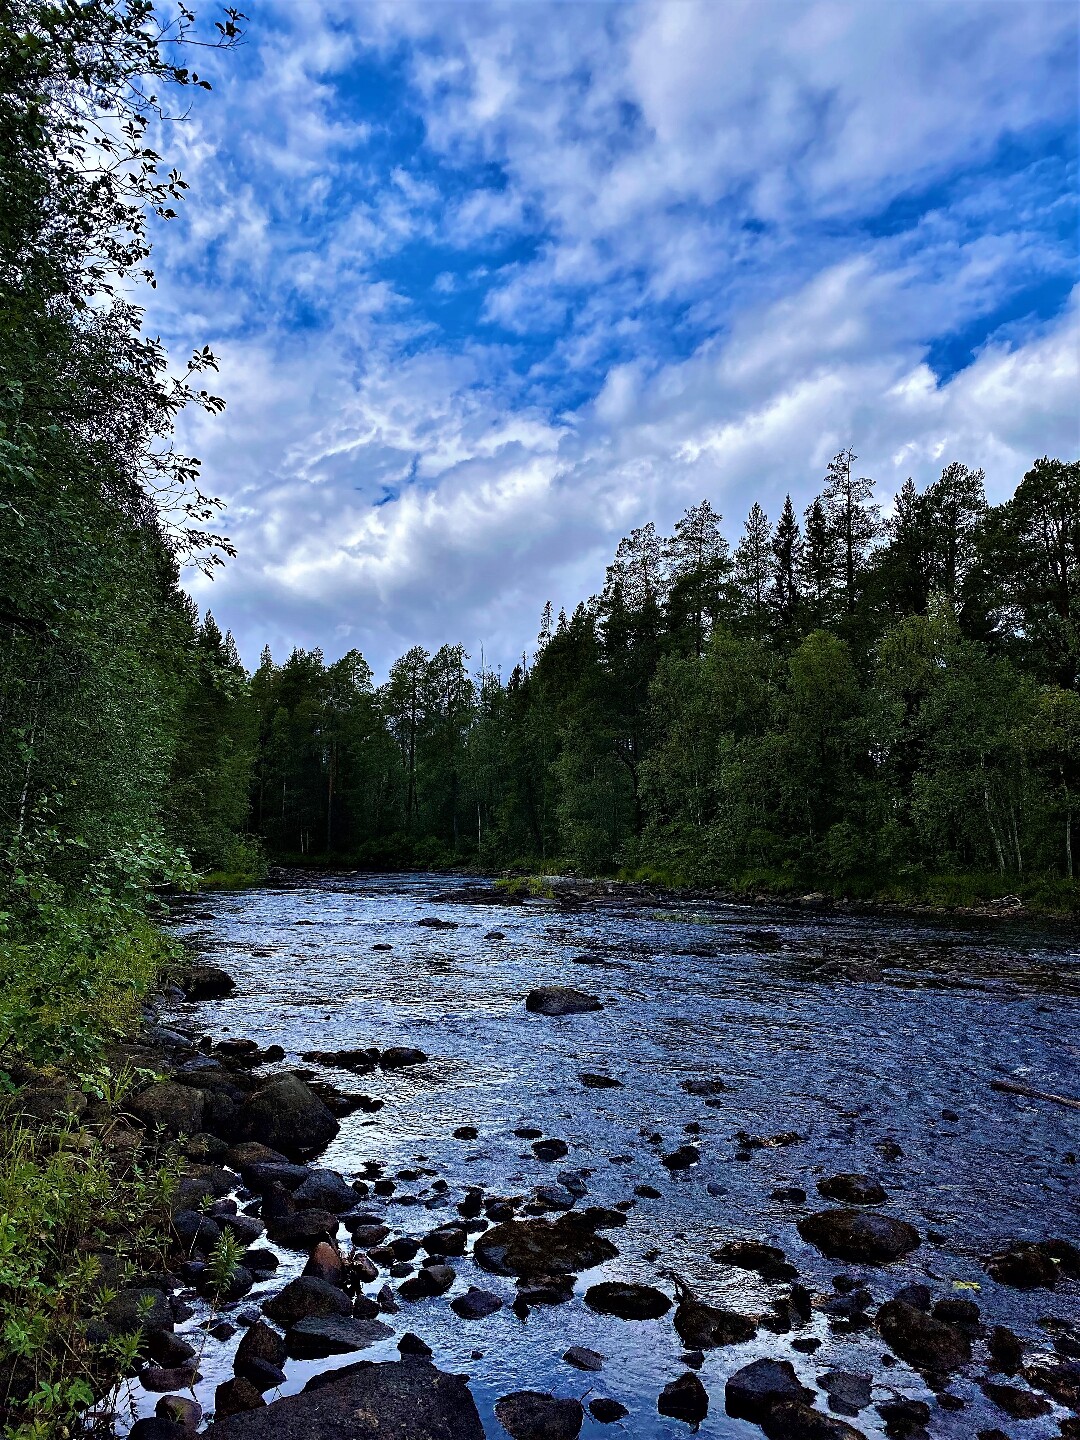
pixel 993 828
pixel 1068 842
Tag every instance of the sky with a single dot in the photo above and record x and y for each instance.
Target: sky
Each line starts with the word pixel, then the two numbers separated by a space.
pixel 491 285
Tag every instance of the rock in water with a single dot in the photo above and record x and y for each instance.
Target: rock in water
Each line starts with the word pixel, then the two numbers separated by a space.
pixel 853 1190
pixel 532 1415
pixel 757 1388
pixel 396 1400
pixel 795 1420
pixel 859 1236
pixel 606 1412
pixel 306 1296
pixel 288 1116
pixel 628 1302
pixel 685 1399
pixel 206 982
pixel 543 1247
pixel 1034 1267
pixel 560 1000
pixel 928 1345
pixel 707 1327
pixel 476 1304
pixel 322 1335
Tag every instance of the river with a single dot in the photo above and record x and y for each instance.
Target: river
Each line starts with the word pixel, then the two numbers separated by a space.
pixel 872 1040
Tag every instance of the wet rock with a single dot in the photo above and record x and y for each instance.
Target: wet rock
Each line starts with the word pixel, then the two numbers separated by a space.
pixel 790 1194
pixel 206 982
pixel 560 1000
pixel 795 1420
pixel 582 1358
pixel 627 1301
pixel 286 1115
pixel 1034 1266
pixel 494 935
pixel 548 1150
pixel 755 1389
pixel 532 1415
pixel 168 1349
pixel 181 1411
pixel 362 1269
pixel 542 1247
pixel 684 1399
pixel 769 1262
pixel 707 1327
pixel 235 1287
pixel 465 1132
pixel 156 1427
pixel 476 1304
pixel 159 1380
pixel 321 1335
pixel 704 1087
pixel 399 1056
pixel 956 1311
pixel 682 1158
pixel 325 1190
pixel 1061 1381
pixel 1017 1403
pixel 1006 1350
pixel 302 1230
pixel 260 1349
pixel 592 1081
pixel 432 922
pixel 195 1230
pixel 447 1240
pixel 396 1400
pixel 140 1308
pixel 904 1418
pixel 916 1294
pixel 235 1397
pixel 928 1345
pixel 411 1344
pixel 647 1192
pixel 852 1189
pixel 175 1109
pixel 428 1281
pixel 306 1296
pixel 848 1393
pixel 551 1197
pixel 367 1233
pixel 859 1236
pixel 325 1263
pixel 360 1060
pixel 574 1182
pixel 606 1412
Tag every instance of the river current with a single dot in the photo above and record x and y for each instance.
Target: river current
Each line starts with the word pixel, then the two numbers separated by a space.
pixel 874 1040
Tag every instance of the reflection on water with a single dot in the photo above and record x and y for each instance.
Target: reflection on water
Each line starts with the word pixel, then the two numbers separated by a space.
pixel 874 1040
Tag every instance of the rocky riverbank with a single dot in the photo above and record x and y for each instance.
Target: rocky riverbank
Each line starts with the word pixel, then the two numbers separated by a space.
pixel 568 1279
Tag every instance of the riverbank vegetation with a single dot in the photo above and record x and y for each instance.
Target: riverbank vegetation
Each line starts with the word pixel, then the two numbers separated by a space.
pixel 868 700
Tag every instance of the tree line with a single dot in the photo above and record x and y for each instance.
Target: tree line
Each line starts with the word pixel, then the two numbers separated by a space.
pixel 858 696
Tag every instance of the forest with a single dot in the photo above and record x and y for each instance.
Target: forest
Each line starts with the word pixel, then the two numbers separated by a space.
pixel 850 699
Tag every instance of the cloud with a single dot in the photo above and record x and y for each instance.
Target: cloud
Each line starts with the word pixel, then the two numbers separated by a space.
pixel 492 285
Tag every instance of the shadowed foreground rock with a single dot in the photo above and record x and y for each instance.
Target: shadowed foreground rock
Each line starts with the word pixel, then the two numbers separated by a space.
pixel 859 1236
pixel 396 1400
pixel 560 1000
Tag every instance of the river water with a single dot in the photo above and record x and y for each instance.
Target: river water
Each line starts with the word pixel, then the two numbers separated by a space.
pixel 873 1039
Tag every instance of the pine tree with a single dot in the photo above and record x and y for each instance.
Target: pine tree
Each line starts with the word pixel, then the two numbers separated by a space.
pixel 854 517
pixel 787 567
pixel 753 567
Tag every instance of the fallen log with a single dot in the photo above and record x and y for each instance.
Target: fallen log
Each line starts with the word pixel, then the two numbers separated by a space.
pixel 1013 1087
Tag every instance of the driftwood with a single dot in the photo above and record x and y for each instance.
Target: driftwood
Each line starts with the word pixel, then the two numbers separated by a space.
pixel 1012 1087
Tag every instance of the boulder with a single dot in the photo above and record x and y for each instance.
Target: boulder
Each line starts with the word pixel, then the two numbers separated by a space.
pixel 852 1189
pixel 549 1150
pixel 796 1420
pixel 755 1389
pixel 476 1304
pixel 206 982
pixel 682 1158
pixel 398 1056
pixel 560 1000
pixel 235 1397
pixel 325 1263
pixel 684 1399
pixel 395 1400
pixel 139 1308
pixel 627 1301
pixel 848 1392
pixel 582 1358
pixel 593 1081
pixel 532 1415
pixel 543 1247
pixel 175 1109
pixel 324 1190
pixel 288 1116
pixel 928 1345
pixel 302 1230
pixel 769 1262
pixel 306 1296
pixel 322 1335
pixel 606 1412
pixel 260 1352
pixel 707 1327
pixel 860 1236
pixel 1039 1266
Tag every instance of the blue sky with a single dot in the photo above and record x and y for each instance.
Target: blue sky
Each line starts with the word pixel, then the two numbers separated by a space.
pixel 491 285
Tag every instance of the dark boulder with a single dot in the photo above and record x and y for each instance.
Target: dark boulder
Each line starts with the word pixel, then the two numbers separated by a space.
pixel 627 1301
pixel 324 1190
pixel 928 1345
pixel 321 1335
pixel 395 1400
pixel 755 1389
pixel 260 1347
pixel 904 1417
pixel 769 1262
pixel 560 1000
pixel 682 1158
pixel 543 1247
pixel 859 1236
pixel 206 982
pixel 302 1230
pixel 141 1308
pixel 853 1190
pixel 1034 1266
pixel 325 1263
pixel 796 1420
pixel 175 1109
pixel 532 1415
pixel 848 1393
pixel 593 1081
pixel 582 1358
pixel 606 1412
pixel 236 1397
pixel 288 1116
pixel 399 1056
pixel 306 1296
pixel 549 1150
pixel 684 1399
pixel 476 1304
pixel 707 1327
